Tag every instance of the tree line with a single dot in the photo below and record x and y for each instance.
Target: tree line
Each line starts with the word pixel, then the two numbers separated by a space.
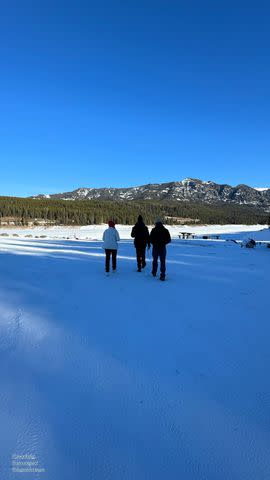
pixel 94 212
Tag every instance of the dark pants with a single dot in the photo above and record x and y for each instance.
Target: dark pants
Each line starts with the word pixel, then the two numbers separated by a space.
pixel 140 251
pixel 159 252
pixel 109 253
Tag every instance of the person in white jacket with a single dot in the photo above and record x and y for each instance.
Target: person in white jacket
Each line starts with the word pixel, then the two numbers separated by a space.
pixel 110 245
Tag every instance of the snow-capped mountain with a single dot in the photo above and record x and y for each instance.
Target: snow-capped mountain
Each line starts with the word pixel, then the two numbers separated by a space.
pixel 189 189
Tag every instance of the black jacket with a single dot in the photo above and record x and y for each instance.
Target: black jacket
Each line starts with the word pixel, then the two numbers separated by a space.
pixel 141 236
pixel 160 236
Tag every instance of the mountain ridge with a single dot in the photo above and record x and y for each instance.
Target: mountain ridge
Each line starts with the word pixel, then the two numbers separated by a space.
pixel 188 189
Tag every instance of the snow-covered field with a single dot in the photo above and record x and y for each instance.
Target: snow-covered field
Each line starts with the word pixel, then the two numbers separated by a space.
pixel 94 232
pixel 126 377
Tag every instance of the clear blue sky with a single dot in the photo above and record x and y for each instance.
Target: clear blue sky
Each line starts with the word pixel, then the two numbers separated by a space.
pixel 119 93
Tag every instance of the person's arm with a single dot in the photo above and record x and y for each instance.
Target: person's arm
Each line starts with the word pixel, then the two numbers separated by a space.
pixel 103 238
pixel 151 237
pixel 117 236
pixel 168 237
pixel 133 232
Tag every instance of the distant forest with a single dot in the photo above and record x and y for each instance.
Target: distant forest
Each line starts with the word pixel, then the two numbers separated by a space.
pixel 93 212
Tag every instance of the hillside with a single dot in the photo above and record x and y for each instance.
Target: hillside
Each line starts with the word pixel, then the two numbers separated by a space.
pixel 28 211
pixel 186 190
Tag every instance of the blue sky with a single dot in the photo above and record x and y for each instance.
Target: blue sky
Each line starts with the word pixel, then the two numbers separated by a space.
pixel 119 93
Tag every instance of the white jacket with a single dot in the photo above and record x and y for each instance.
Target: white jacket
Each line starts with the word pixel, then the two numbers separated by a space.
pixel 110 239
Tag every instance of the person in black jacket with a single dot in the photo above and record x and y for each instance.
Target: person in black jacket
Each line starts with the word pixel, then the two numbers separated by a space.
pixel 159 237
pixel 141 237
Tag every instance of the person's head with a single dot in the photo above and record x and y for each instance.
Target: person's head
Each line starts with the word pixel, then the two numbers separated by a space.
pixel 111 223
pixel 158 222
pixel 140 219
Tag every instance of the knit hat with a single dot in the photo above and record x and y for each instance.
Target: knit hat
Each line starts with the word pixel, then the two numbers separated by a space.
pixel 158 221
pixel 111 223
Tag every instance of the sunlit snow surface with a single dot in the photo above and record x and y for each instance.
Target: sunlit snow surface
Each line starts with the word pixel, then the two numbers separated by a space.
pixel 127 377
pixel 95 232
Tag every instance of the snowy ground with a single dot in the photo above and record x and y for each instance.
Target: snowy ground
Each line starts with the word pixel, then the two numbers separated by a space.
pixel 127 377
pixel 94 232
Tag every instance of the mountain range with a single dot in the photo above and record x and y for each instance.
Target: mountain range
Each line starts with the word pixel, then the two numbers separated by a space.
pixel 189 189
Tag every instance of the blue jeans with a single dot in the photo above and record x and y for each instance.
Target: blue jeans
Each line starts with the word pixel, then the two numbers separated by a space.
pixel 159 253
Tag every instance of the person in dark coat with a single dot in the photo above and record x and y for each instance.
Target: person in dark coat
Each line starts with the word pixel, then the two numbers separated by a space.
pixel 159 237
pixel 140 233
